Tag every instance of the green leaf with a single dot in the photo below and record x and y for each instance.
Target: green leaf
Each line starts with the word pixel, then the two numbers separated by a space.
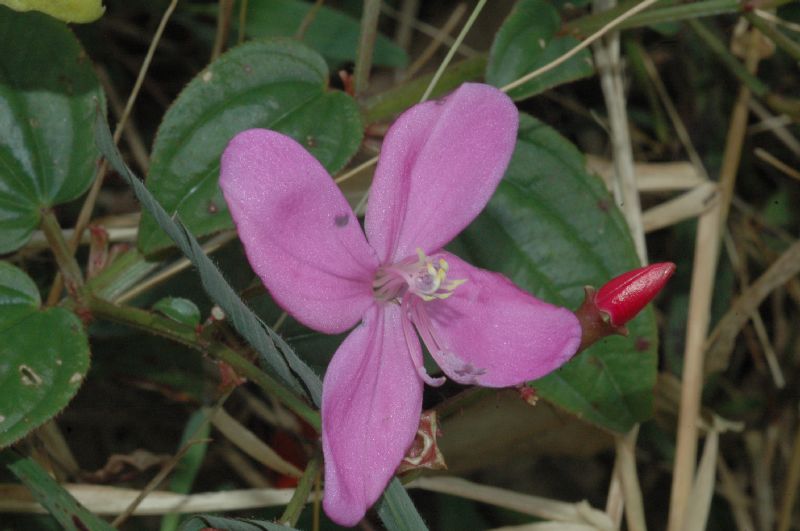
pixel 197 429
pixel 526 41
pixel 553 229
pixel 331 33
pixel 44 356
pixel 48 97
pixel 198 523
pixel 279 85
pixel 273 350
pixel 66 10
pixel 67 510
pixel 178 309
pixel 397 511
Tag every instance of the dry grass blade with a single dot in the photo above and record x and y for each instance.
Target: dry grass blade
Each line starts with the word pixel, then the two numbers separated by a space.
pixel 152 485
pixel 109 501
pixel 709 235
pixel 437 41
pixel 578 513
pixel 724 336
pixel 777 125
pixel 757 449
pixel 731 489
pixel 176 267
pixel 626 457
pixel 583 45
pixel 776 163
pixel 407 22
pixel 791 486
pixel 688 205
pixel 703 488
pixel 247 441
pixel 704 268
pixel 547 526
pixel 651 176
pixel 606 53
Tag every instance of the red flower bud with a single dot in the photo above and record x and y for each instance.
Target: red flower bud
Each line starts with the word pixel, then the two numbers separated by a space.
pixel 605 311
pixel 624 296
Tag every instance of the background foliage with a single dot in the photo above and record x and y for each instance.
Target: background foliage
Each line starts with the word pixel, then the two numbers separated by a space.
pixel 198 377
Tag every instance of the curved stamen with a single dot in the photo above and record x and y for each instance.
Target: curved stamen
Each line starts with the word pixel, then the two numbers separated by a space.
pixel 459 370
pixel 411 283
pixel 408 331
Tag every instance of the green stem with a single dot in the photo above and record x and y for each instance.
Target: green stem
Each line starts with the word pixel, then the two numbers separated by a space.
pixel 588 24
pixel 292 513
pixel 449 57
pixel 70 270
pixel 776 102
pixel 719 48
pixel 366 45
pixel 187 335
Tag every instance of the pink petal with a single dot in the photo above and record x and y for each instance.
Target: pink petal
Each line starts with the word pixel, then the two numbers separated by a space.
pixel 300 235
pixel 440 163
pixel 371 403
pixel 496 335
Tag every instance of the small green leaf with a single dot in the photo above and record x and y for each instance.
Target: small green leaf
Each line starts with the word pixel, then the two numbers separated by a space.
pixel 279 85
pixel 331 33
pixel 397 511
pixel 48 97
pixel 553 229
pixel 181 310
pixel 197 428
pixel 201 522
pixel 526 41
pixel 59 503
pixel 44 356
pixel 66 10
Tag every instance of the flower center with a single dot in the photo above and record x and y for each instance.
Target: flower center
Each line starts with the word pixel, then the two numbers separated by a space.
pixel 411 283
pixel 423 278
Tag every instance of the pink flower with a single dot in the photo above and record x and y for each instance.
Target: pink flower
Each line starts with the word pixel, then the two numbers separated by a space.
pixel 441 161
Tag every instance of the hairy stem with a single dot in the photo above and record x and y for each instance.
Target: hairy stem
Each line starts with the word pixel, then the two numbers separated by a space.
pixel 293 510
pixel 67 265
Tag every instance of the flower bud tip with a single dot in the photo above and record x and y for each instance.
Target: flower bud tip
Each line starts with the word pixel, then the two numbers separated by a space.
pixel 623 297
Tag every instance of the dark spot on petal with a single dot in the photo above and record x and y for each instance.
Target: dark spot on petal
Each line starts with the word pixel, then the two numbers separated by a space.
pixel 642 344
pixel 441 101
pixel 341 220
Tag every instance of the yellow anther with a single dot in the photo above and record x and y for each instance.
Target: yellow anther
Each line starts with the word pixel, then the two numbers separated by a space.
pixel 424 278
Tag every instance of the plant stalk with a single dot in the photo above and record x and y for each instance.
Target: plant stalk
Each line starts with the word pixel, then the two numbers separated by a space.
pixel 67 265
pixel 293 510
pixel 366 45
pixel 188 336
